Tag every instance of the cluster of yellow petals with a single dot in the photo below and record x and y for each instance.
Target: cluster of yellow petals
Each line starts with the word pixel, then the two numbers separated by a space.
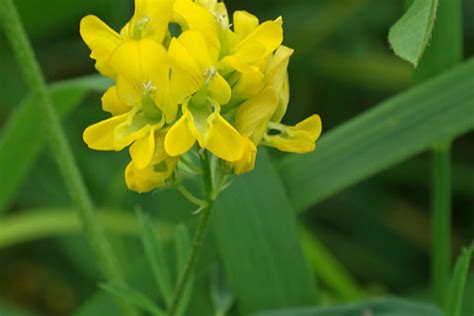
pixel 185 76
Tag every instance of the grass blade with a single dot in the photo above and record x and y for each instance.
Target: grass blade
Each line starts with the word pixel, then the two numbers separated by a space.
pixel 390 133
pixel 134 297
pixel 458 283
pixel 155 255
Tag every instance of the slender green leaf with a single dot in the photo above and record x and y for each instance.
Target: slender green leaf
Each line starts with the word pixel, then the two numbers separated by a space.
pixel 384 307
pixel 155 255
pixel 21 140
pixel 410 36
pixel 393 131
pixel 37 224
pixel 257 237
pixel 134 297
pixel 99 304
pixel 458 283
pixel 329 270
pixel 182 243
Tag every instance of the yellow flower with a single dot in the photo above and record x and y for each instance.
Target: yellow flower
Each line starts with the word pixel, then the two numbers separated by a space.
pixel 194 73
pixel 150 21
pixel 156 174
pixel 139 102
pixel 252 43
pixel 300 138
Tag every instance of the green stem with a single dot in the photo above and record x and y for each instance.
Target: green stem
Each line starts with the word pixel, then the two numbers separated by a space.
pixel 59 144
pixel 441 227
pixel 444 53
pixel 198 236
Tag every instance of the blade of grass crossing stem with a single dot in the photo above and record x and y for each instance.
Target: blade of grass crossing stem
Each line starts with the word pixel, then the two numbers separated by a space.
pixel 16 161
pixel 403 126
pixel 182 244
pixel 155 255
pixel 257 237
pixel 444 53
pixel 458 283
pixel 328 269
pixel 31 70
pixel 134 297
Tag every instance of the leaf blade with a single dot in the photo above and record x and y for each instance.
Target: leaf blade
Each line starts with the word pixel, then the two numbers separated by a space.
pixel 389 133
pixel 458 283
pixel 409 36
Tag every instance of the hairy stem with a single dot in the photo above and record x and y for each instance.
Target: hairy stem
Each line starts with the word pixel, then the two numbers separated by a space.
pixel 59 144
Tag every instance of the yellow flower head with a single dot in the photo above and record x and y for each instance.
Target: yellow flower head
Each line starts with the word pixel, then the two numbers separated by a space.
pixel 188 79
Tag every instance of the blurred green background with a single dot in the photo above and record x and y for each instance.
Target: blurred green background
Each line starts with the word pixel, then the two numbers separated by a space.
pixel 378 229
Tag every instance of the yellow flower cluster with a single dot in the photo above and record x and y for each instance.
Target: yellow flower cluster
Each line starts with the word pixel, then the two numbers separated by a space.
pixel 184 75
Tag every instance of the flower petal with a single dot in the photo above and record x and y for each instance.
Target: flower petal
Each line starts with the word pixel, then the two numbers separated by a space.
pixel 186 76
pixel 100 136
pixel 244 23
pixel 142 150
pixel 102 41
pixel 312 125
pixel 192 16
pixel 224 141
pixel 247 163
pixel 219 89
pixel 112 104
pixel 147 179
pixel 195 44
pixel 254 115
pixel 179 138
pixel 151 19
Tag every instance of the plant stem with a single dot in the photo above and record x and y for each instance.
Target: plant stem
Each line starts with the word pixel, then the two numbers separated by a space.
pixel 59 144
pixel 198 236
pixel 441 227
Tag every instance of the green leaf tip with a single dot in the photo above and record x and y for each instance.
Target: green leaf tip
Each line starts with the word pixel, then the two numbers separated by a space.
pixel 409 37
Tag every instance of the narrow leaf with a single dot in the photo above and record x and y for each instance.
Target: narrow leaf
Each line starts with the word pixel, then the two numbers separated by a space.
pixel 134 297
pixel 257 237
pixel 458 283
pixel 410 36
pixel 155 255
pixel 390 133
pixel 384 307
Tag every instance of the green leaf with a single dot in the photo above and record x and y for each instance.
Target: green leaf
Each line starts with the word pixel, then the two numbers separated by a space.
pixel 20 140
pixel 257 237
pixel 182 243
pixel 391 132
pixel 155 255
pixel 134 297
pixel 410 36
pixel 385 307
pixel 328 268
pixel 98 304
pixel 458 283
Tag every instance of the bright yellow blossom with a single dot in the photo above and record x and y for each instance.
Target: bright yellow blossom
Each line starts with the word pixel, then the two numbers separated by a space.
pixel 150 21
pixel 204 85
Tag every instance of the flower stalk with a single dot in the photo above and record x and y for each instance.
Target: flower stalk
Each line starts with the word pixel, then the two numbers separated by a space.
pixel 198 239
pixel 31 70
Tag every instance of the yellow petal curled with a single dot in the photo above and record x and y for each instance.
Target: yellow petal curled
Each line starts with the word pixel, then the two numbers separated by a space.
pixel 100 136
pixel 102 41
pixel 143 149
pixel 179 138
pixel 112 104
pixel 300 138
pixel 244 23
